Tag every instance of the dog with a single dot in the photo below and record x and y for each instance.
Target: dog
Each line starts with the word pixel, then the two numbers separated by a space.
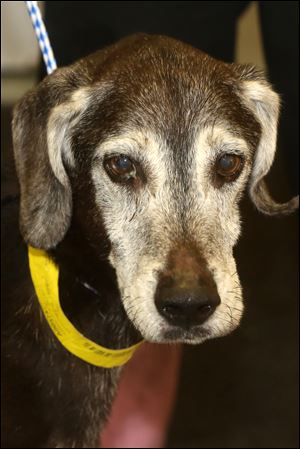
pixel 131 164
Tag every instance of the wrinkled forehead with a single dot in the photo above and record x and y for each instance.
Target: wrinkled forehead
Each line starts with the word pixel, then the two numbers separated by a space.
pixel 114 134
pixel 144 144
pixel 171 106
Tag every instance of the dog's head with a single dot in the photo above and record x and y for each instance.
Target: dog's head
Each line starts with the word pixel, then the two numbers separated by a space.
pixel 152 143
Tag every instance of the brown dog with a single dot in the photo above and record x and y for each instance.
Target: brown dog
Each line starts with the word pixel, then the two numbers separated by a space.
pixel 131 164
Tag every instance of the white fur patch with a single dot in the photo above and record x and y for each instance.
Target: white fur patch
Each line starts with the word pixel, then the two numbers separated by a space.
pixel 141 225
pixel 264 102
pixel 62 118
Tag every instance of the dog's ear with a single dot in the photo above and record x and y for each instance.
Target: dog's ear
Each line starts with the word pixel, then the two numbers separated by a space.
pixel 41 124
pixel 258 96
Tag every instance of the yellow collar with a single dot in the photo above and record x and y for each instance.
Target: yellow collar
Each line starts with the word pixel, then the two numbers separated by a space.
pixel 44 274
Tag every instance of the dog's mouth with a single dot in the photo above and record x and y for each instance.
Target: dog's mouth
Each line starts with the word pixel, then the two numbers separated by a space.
pixel 184 335
pixel 184 321
pixel 196 334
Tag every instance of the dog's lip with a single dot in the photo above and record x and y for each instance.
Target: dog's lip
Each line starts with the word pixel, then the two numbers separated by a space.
pixel 175 333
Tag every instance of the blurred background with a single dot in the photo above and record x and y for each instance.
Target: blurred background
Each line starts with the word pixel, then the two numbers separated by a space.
pixel 242 390
pixel 20 53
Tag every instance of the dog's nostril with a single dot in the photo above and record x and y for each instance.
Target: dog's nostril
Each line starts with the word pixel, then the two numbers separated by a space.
pixel 186 311
pixel 202 313
pixel 171 310
pixel 206 308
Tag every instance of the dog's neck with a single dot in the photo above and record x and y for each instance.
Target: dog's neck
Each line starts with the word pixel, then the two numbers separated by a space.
pixel 89 294
pixel 90 299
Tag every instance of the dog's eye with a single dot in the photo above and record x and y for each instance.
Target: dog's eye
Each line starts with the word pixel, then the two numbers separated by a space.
pixel 120 168
pixel 229 166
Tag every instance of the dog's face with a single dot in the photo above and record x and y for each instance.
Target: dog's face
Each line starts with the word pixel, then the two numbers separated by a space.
pixel 152 143
pixel 172 225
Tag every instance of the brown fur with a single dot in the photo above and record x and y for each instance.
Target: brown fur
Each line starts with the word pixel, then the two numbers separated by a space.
pixel 53 399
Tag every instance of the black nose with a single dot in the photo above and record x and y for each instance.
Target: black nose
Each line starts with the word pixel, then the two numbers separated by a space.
pixel 186 307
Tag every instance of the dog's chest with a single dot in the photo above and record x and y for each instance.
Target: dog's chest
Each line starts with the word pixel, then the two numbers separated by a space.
pixel 81 406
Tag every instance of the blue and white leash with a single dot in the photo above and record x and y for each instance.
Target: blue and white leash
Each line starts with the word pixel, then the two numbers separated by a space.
pixel 42 36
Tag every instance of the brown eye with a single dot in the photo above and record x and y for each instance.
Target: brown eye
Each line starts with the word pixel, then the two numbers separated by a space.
pixel 120 168
pixel 229 166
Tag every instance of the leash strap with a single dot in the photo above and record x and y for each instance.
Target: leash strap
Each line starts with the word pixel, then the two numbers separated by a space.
pixel 42 35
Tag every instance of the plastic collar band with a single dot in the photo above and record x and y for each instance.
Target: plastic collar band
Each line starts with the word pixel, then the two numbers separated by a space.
pixel 44 274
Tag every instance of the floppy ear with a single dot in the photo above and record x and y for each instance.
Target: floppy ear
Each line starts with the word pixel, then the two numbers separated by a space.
pixel 258 96
pixel 41 124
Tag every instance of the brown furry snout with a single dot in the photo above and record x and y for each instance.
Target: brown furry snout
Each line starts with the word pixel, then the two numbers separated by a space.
pixel 187 268
pixel 186 293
